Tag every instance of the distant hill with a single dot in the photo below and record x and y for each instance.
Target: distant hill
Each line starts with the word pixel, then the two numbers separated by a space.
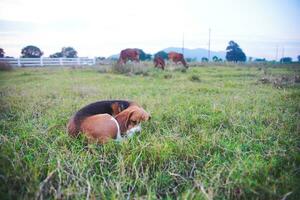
pixel 188 53
pixel 196 53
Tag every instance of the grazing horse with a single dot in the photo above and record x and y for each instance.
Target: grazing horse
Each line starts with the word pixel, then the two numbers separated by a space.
pixel 177 57
pixel 129 54
pixel 159 62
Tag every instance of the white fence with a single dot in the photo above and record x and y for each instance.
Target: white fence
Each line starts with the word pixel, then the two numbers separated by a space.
pixel 45 61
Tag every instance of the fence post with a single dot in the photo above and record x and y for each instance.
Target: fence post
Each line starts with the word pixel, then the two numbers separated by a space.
pixel 41 61
pixel 19 62
pixel 60 62
pixel 78 61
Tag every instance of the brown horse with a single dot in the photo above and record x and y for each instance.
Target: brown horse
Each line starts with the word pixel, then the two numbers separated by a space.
pixel 129 54
pixel 177 57
pixel 159 62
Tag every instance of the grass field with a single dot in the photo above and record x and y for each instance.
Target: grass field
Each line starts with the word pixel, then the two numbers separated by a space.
pixel 216 133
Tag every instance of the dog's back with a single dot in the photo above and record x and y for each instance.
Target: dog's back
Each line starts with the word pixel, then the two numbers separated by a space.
pixel 112 107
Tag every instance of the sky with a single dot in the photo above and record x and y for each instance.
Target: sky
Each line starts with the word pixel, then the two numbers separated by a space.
pixel 105 27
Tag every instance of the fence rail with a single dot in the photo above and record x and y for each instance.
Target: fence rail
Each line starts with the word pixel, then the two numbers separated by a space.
pixel 45 61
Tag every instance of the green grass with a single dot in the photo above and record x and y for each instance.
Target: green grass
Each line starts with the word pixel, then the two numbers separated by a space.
pixel 216 133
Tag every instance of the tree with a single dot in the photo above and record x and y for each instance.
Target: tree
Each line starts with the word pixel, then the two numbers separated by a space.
pixel 144 56
pixel 260 60
pixel 286 60
pixel 56 55
pixel 148 56
pixel 191 59
pixel 31 52
pixel 298 58
pixel 204 59
pixel 216 59
pixel 66 52
pixel 69 52
pixel 162 54
pixel 235 53
pixel 100 58
pixel 2 53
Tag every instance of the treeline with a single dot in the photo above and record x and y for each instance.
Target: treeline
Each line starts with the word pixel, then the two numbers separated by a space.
pixel 233 54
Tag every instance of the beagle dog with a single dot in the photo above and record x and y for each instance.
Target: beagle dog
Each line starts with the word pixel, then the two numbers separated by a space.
pixel 112 107
pixel 103 127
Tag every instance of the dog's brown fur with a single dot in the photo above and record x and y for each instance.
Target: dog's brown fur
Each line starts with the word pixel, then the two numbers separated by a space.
pixel 99 128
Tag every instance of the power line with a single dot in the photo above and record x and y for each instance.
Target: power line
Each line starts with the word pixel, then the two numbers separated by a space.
pixel 209 44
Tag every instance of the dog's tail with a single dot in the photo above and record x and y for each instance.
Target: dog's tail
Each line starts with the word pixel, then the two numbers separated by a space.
pixel 72 128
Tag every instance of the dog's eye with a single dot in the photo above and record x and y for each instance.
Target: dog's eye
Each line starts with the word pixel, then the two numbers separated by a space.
pixel 134 122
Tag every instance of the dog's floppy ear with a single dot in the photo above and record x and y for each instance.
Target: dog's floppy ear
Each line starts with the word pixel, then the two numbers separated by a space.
pixel 128 118
pixel 123 119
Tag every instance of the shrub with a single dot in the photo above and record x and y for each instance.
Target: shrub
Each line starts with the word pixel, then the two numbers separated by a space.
pixel 167 76
pixel 130 68
pixel 183 70
pixel 104 69
pixel 279 81
pixel 195 78
pixel 5 66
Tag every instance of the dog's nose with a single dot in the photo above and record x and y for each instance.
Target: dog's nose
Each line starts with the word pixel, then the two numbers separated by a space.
pixel 149 117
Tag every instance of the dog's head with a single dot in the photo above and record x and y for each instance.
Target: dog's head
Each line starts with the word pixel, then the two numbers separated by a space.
pixel 130 119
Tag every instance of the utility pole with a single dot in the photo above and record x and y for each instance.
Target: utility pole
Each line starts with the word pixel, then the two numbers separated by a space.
pixel 282 51
pixel 276 58
pixel 208 44
pixel 183 44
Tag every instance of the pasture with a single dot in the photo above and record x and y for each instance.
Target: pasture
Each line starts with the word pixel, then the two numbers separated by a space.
pixel 217 132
